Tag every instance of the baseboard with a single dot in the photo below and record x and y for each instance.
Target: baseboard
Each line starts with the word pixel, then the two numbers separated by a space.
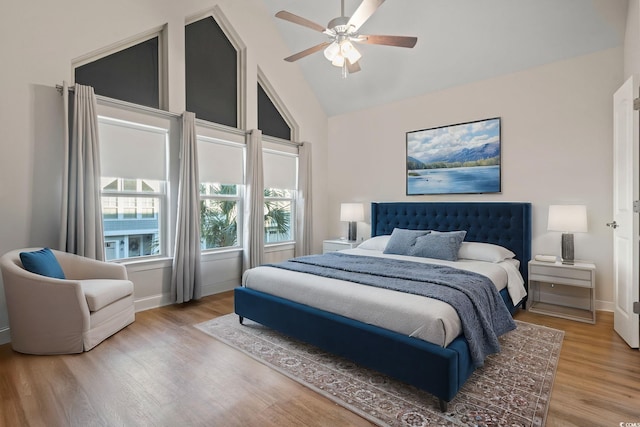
pixel 161 300
pixel 153 301
pixel 219 287
pixel 604 305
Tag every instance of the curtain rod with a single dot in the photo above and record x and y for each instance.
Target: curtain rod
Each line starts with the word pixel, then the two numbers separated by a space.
pixel 59 88
pixel 118 102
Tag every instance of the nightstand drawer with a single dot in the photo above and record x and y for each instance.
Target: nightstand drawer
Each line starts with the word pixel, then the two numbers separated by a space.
pixel 328 247
pixel 567 276
pixel 337 245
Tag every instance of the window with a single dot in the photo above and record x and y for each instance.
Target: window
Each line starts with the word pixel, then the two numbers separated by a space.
pixel 131 74
pixel 211 71
pixel 133 185
pixel 280 182
pixel 221 166
pixel 270 121
pixel 278 214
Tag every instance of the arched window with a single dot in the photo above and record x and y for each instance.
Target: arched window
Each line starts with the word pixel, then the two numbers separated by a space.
pixel 270 121
pixel 211 73
pixel 131 73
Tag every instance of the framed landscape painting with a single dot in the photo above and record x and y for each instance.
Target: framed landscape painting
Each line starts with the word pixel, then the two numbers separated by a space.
pixel 455 159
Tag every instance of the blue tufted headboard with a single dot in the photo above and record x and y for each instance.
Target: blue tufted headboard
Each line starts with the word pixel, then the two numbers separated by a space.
pixel 506 224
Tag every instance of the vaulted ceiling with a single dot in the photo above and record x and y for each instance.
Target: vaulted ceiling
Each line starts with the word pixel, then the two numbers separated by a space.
pixel 459 41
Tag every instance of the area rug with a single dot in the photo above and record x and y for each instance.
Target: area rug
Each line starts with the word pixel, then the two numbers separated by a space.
pixel 511 389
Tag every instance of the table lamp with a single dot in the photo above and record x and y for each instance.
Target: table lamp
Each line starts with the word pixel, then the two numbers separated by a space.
pixel 568 219
pixel 352 213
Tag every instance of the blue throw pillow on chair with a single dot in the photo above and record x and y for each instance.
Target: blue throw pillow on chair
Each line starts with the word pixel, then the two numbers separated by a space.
pixel 42 262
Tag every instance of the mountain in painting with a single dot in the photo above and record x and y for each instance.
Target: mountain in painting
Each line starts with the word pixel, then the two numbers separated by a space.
pixel 413 163
pixel 482 152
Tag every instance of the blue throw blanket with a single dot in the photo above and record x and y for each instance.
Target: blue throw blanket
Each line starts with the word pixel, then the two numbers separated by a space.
pixel 482 311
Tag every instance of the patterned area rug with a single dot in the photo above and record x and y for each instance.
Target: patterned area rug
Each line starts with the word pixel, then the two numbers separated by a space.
pixel 512 388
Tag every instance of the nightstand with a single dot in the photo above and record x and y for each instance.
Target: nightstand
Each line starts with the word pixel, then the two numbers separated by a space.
pixel 337 245
pixel 563 290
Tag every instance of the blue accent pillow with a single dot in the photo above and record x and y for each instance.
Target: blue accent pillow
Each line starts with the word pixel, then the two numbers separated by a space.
pixel 42 262
pixel 439 245
pixel 402 240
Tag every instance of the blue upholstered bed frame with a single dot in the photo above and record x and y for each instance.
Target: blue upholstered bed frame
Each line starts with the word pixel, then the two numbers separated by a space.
pixel 440 371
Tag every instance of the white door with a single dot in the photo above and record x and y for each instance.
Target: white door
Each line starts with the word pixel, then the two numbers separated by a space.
pixel 625 226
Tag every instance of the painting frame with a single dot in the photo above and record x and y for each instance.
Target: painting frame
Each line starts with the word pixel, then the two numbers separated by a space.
pixel 461 158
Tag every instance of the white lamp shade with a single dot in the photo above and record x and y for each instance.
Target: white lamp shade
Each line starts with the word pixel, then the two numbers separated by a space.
pixel 567 218
pixel 338 61
pixel 349 51
pixel 332 51
pixel 351 212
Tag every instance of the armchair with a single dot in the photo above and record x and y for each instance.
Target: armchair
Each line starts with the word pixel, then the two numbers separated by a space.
pixel 72 315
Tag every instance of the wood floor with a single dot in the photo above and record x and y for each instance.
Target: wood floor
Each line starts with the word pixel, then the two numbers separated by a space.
pixel 160 371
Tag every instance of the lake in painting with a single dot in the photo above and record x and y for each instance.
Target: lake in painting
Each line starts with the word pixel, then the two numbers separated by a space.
pixel 477 179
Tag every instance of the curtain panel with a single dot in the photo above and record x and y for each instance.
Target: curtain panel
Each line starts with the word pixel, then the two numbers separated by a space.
pixel 253 252
pixel 81 228
pixel 186 277
pixel 304 218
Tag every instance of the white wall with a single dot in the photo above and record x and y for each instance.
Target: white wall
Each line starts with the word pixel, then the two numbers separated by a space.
pixel 632 40
pixel 40 42
pixel 556 147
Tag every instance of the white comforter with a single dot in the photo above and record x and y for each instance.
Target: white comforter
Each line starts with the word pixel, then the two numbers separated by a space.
pixel 413 315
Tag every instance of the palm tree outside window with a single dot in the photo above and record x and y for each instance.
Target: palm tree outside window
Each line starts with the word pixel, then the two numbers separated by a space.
pixel 278 211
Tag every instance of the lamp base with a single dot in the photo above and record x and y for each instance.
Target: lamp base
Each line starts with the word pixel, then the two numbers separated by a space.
pixel 353 231
pixel 567 248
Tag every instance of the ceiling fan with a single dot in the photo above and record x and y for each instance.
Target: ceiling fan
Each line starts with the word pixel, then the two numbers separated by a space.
pixel 342 31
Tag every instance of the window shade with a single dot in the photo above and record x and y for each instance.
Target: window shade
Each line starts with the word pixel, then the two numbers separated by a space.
pixel 221 163
pixel 132 151
pixel 280 170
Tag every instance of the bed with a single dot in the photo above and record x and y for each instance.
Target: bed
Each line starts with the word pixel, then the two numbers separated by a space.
pixel 438 369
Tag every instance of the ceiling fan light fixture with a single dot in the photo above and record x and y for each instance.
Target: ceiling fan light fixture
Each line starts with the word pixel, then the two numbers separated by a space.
pixel 338 61
pixel 348 50
pixel 332 51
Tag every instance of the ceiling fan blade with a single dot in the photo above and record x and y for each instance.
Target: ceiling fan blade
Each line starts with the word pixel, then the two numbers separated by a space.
pixel 307 52
pixel 364 12
pixel 288 16
pixel 399 41
pixel 353 68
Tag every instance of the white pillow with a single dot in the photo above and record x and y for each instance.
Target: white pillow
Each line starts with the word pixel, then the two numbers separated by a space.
pixel 377 243
pixel 484 252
